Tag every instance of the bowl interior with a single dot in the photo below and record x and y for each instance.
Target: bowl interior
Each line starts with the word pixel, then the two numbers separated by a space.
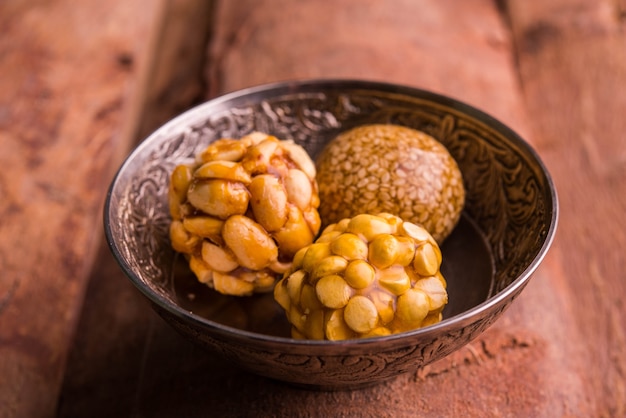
pixel 505 229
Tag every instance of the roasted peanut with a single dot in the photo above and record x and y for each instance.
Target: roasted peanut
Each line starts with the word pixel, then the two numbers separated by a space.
pixel 342 225
pixel 249 242
pixel 254 138
pixel 226 170
pixel 182 240
pixel 263 281
pixel 224 149
pixel 258 158
pixel 218 258
pixel 201 270
pixel 440 277
pixel 295 234
pixel 299 188
pixel 231 285
pixel 312 219
pixel 179 183
pixel 219 198
pixel 205 227
pixel 299 156
pixel 278 266
pixel 268 201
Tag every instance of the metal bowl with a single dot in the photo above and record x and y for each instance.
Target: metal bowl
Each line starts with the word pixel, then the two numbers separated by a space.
pixel 507 226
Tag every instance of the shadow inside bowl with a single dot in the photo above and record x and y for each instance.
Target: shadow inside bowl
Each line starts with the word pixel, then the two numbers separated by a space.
pixel 467 267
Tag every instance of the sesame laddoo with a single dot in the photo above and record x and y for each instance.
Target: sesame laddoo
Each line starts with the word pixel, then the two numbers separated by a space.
pixel 393 169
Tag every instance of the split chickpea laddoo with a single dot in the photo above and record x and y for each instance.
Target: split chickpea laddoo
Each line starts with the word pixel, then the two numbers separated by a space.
pixel 366 276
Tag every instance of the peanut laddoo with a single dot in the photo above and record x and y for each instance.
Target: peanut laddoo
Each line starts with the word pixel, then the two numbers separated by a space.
pixel 394 169
pixel 242 211
pixel 366 276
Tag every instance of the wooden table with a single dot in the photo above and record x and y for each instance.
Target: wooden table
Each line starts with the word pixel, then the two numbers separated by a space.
pixel 82 82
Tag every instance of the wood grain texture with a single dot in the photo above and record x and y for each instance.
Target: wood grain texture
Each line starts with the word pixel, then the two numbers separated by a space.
pixel 421 45
pixel 527 364
pixel 113 355
pixel 176 82
pixel 572 65
pixel 464 50
pixel 70 74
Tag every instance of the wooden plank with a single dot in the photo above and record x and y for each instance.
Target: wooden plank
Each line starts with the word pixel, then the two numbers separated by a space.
pixel 109 366
pixel 71 76
pixel 525 365
pixel 421 45
pixel 462 49
pixel 176 81
pixel 572 58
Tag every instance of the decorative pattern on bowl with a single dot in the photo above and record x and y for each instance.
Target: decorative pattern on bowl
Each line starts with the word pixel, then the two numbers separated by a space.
pixel 511 207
